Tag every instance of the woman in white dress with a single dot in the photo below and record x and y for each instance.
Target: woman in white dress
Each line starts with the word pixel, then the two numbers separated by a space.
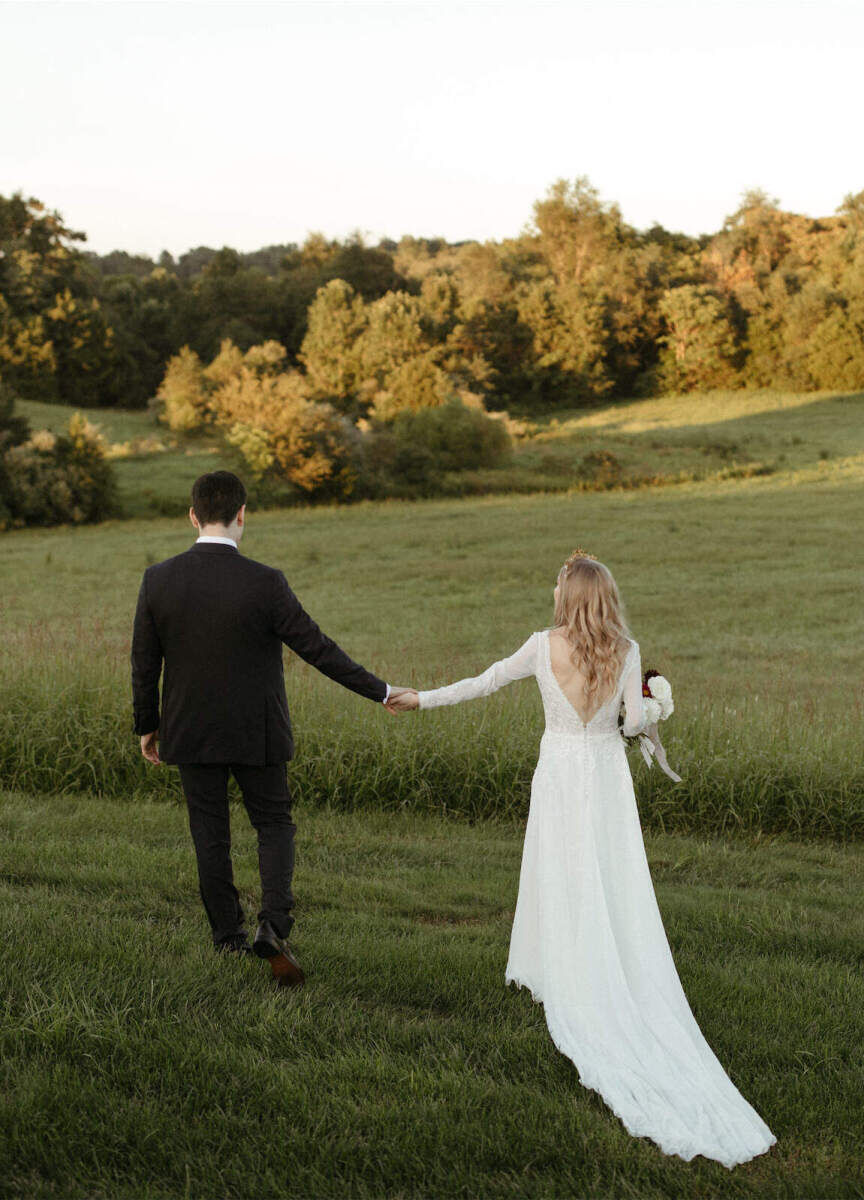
pixel 587 937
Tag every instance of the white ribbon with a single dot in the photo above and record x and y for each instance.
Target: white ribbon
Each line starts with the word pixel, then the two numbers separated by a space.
pixel 652 747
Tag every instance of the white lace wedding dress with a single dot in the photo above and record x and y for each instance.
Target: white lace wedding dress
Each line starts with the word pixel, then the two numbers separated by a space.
pixel 587 937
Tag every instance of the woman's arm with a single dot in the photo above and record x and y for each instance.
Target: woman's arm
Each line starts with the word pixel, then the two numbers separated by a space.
pixel 634 705
pixel 518 666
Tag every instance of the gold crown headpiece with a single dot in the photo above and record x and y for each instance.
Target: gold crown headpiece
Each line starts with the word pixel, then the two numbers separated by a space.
pixel 577 554
pixel 580 553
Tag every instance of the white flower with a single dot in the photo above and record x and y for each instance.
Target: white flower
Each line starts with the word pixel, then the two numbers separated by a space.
pixel 660 687
pixel 653 712
pixel 667 707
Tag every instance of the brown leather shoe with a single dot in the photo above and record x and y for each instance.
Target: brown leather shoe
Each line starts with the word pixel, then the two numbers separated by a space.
pixel 286 969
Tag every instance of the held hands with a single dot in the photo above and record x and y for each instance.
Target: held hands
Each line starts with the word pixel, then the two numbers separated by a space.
pixel 402 700
pixel 150 747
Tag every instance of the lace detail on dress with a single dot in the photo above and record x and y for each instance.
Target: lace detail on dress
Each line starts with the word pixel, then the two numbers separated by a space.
pixel 561 716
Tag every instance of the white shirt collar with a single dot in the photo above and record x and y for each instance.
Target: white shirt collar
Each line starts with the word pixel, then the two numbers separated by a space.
pixel 219 541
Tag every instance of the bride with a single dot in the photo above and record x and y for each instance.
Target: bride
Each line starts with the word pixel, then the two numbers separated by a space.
pixel 587 938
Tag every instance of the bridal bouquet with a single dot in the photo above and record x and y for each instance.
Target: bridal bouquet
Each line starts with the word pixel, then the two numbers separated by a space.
pixel 657 693
pixel 659 705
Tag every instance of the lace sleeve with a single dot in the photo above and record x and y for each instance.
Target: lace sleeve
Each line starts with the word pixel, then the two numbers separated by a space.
pixel 634 707
pixel 518 666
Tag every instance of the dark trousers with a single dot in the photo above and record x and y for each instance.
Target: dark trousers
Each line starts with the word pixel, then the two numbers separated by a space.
pixel 268 803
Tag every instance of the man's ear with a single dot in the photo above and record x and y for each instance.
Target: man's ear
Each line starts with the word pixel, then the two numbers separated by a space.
pixel 193 518
pixel 241 514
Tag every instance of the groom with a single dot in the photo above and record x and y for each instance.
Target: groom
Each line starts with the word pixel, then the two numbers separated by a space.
pixel 217 620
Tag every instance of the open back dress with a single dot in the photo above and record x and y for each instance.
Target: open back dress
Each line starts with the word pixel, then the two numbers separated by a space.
pixel 587 936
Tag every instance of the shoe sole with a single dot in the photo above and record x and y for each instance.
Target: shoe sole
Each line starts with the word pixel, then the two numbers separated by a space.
pixel 285 972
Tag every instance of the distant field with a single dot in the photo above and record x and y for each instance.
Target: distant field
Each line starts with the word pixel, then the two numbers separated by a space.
pixel 669 440
pixel 708 436
pixel 117 424
pixel 135 1065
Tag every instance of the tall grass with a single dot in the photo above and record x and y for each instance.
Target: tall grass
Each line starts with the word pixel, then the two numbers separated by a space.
pixel 67 729
pixel 744 594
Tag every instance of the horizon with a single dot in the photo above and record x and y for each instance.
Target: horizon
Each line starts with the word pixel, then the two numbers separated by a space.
pixel 378 239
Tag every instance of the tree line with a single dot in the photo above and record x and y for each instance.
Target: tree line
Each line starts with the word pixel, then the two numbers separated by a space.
pixel 579 308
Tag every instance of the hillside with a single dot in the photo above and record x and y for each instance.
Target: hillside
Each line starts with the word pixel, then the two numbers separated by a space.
pixel 663 441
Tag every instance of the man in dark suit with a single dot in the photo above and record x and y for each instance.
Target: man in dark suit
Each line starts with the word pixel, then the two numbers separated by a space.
pixel 217 620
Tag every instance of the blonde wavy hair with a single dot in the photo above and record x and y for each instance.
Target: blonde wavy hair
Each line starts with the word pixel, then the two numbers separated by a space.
pixel 589 612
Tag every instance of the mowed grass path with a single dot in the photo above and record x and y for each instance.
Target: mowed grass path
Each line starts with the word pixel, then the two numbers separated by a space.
pixel 135 1063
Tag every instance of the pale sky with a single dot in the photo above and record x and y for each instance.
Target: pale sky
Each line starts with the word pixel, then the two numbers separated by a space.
pixel 168 124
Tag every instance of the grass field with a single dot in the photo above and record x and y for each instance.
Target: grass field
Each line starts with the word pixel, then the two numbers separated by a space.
pixel 136 1064
pixel 744 592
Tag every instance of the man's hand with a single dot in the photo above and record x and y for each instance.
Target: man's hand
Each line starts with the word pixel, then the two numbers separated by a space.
pixel 150 747
pixel 402 700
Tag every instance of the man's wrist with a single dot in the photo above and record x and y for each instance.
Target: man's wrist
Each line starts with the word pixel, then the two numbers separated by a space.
pixel 387 694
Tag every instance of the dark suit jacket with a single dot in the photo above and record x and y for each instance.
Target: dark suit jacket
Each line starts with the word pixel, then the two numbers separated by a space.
pixel 218 620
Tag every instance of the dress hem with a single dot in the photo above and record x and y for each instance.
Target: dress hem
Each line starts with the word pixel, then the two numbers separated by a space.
pixel 683 1149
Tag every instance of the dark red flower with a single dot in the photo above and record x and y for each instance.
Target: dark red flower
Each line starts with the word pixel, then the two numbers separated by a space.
pixel 646 691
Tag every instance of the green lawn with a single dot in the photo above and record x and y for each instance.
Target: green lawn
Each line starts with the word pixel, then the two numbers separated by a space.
pixel 137 1064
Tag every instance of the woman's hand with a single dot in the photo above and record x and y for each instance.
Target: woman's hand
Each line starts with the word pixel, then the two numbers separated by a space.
pixel 402 700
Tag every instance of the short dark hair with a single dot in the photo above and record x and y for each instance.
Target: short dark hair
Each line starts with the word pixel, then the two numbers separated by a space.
pixel 217 497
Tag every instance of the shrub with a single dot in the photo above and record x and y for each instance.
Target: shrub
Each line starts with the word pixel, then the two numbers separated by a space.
pixel 318 451
pixel 279 432
pixel 458 437
pixel 408 455
pixel 396 468
pixel 602 468
pixel 51 479
pixel 137 447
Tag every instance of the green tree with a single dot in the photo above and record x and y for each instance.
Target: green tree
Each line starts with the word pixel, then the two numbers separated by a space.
pixel 83 346
pixel 700 341
pixel 568 343
pixel 144 314
pixel 591 304
pixel 55 343
pixel 336 320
